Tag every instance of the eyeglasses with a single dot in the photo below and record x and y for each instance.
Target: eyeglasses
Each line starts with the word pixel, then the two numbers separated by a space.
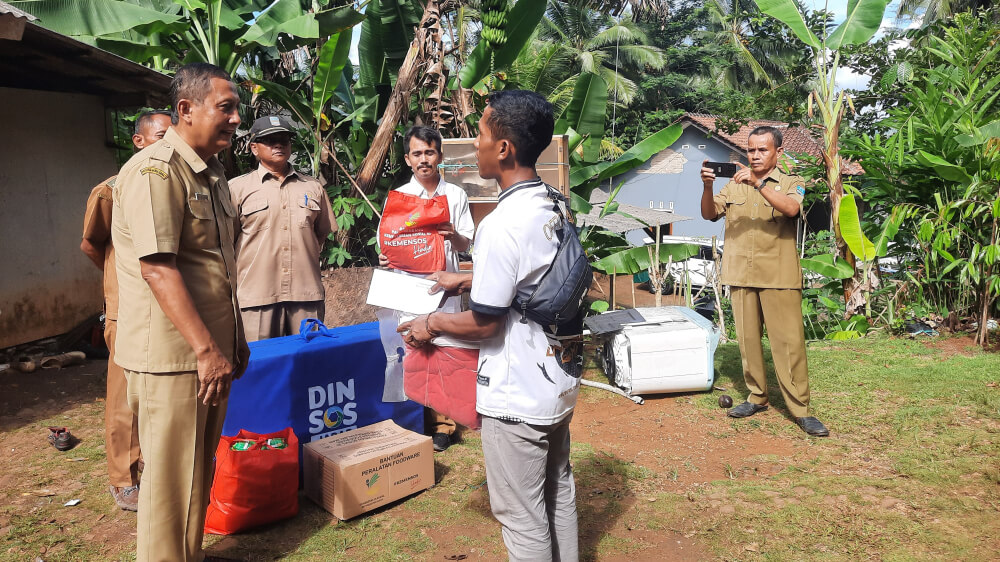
pixel 274 140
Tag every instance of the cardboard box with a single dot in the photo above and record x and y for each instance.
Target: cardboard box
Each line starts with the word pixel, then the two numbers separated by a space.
pixel 356 471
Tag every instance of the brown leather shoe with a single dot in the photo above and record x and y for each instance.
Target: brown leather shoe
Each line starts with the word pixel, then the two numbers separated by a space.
pixel 126 498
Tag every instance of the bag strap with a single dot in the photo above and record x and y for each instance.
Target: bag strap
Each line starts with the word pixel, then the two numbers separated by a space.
pixel 311 328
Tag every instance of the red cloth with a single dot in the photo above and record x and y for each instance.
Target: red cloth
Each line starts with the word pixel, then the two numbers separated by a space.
pixel 255 486
pixel 408 234
pixel 443 378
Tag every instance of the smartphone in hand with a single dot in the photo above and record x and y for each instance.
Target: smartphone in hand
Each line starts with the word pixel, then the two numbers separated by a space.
pixel 722 169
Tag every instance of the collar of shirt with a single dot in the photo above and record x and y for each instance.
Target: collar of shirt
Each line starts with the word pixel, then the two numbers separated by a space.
pixel 263 173
pixel 416 188
pixel 194 161
pixel 774 176
pixel 520 187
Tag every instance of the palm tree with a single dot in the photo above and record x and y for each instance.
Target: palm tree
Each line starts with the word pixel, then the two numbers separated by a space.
pixel 576 39
pixel 759 57
pixel 934 10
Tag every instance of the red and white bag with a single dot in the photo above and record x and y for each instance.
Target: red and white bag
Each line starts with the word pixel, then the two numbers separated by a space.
pixel 408 234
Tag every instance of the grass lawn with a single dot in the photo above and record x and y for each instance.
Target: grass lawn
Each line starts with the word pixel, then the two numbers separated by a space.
pixel 911 472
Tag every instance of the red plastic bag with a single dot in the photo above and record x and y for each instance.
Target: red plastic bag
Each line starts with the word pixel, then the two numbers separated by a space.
pixel 408 234
pixel 254 486
pixel 443 378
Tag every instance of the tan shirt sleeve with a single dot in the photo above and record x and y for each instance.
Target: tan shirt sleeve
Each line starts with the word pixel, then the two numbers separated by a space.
pixel 153 203
pixel 326 222
pixel 720 200
pixel 794 187
pixel 97 218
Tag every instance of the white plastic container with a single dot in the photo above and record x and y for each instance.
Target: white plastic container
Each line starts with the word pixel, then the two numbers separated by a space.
pixel 672 351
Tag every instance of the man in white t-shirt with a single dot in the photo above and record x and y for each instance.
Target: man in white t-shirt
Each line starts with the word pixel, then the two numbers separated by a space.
pixel 423 155
pixel 524 394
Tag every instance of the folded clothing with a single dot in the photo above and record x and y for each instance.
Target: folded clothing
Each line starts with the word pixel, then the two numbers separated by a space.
pixel 443 378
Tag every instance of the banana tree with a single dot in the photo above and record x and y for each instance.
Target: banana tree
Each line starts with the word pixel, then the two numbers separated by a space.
pixel 161 32
pixel 859 26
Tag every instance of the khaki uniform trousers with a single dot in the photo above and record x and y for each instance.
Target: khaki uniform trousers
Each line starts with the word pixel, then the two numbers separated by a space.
pixel 781 311
pixel 179 435
pixel 121 426
pixel 438 423
pixel 279 319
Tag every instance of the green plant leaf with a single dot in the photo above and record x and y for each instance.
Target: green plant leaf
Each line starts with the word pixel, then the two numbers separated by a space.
pixel 522 20
pixel 631 158
pixel 850 229
pixel 329 70
pixel 293 101
pixel 787 12
pixel 586 112
pixel 634 260
pixel 599 306
pixel 93 17
pixel 844 335
pixel 828 265
pixel 946 169
pixel 861 22
pixel 981 135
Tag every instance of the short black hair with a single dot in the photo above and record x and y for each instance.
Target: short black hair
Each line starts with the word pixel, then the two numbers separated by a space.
pixel 426 134
pixel 767 130
pixel 193 82
pixel 524 118
pixel 145 117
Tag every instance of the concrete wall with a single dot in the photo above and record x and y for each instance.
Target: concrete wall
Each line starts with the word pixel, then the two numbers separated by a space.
pixel 52 152
pixel 674 176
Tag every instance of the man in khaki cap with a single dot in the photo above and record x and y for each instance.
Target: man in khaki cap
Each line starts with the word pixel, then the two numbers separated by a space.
pixel 761 266
pixel 285 217
pixel 180 339
pixel 121 428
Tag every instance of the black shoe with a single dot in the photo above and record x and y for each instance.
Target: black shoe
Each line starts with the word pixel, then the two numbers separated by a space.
pixel 813 426
pixel 746 410
pixel 441 441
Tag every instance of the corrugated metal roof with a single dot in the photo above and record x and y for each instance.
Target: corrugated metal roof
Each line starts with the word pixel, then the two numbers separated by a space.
pixel 618 222
pixel 6 8
pixel 795 139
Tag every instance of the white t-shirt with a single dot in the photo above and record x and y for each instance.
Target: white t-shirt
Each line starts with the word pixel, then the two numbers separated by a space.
pixel 461 219
pixel 519 376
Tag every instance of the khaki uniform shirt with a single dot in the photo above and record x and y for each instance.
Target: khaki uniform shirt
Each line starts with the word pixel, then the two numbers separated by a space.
pixel 282 228
pixel 97 231
pixel 168 200
pixel 760 241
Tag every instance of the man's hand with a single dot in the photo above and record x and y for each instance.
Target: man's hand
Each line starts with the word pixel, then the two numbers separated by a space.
pixel 215 374
pixel 707 175
pixel 383 261
pixel 447 230
pixel 416 332
pixel 743 175
pixel 452 283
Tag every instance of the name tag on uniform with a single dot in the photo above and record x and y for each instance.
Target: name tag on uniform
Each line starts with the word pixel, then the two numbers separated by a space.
pixel 200 196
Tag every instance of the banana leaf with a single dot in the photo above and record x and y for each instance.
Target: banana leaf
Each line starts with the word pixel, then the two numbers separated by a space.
pixel 634 260
pixel 834 267
pixel 850 229
pixel 980 135
pixel 787 12
pixel 586 112
pixel 95 18
pixel 946 169
pixel 522 20
pixel 329 70
pixel 589 176
pixel 860 24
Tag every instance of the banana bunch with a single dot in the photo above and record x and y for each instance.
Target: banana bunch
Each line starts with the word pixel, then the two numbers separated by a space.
pixel 494 14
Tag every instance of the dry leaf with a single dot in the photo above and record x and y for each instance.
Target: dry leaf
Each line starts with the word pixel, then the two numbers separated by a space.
pixel 40 493
pixel 992 385
pixel 752 547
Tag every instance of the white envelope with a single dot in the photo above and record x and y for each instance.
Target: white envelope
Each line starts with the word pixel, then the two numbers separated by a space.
pixel 406 293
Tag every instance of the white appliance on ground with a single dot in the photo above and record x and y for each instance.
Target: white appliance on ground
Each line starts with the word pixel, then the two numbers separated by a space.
pixel 671 349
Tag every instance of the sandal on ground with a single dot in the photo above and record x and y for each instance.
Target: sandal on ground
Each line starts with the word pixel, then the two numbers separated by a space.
pixel 60 438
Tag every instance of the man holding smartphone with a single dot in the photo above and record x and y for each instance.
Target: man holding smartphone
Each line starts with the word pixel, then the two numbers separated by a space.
pixel 761 266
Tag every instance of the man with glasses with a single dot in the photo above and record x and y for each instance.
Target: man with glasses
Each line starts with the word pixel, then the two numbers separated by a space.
pixel 285 217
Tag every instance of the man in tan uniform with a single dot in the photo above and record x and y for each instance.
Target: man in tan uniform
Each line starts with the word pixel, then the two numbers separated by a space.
pixel 180 339
pixel 285 217
pixel 121 428
pixel 761 266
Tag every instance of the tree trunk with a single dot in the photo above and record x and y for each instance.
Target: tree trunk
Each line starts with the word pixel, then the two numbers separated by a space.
pixel 399 101
pixel 854 299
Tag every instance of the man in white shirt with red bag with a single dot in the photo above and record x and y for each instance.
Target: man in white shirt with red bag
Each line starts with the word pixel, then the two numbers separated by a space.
pixel 527 382
pixel 423 155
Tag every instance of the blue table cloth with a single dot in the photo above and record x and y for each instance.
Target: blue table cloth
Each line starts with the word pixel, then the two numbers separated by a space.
pixel 318 382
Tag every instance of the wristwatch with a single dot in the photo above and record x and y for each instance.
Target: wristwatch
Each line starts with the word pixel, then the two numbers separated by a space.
pixel 760 185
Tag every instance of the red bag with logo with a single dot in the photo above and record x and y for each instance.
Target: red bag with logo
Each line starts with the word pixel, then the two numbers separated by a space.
pixel 256 481
pixel 408 234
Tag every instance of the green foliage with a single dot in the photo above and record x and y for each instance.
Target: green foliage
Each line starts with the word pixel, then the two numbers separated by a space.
pixel 634 260
pixel 522 20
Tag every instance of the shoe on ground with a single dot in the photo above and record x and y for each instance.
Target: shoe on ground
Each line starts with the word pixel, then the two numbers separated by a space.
pixel 60 438
pixel 746 410
pixel 441 441
pixel 813 426
pixel 126 498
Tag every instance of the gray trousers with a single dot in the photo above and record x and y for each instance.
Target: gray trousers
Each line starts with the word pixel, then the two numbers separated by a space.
pixel 531 487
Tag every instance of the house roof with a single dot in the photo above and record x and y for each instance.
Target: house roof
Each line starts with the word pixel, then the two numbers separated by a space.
pixel 795 139
pixel 36 58
pixel 618 222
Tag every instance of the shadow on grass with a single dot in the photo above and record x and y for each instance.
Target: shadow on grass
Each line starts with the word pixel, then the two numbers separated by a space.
pixel 729 374
pixel 27 398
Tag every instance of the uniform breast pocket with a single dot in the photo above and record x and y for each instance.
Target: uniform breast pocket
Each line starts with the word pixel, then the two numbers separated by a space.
pixel 308 212
pixel 202 231
pixel 737 208
pixel 254 215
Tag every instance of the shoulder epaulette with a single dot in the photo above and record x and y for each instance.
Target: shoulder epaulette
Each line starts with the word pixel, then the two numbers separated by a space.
pixel 162 152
